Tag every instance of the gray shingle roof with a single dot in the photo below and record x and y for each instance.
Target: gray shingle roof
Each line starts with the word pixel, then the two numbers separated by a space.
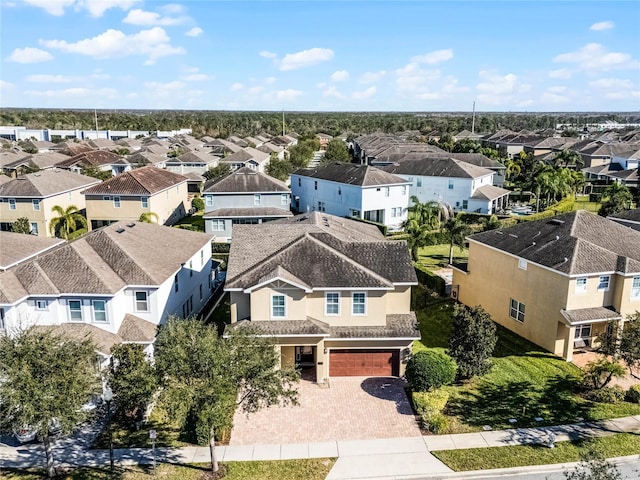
pixel 489 192
pixel 245 180
pixel 136 329
pixel 590 315
pixel 45 183
pixel 631 215
pixel 140 181
pixel 575 243
pixel 16 247
pixel 438 167
pixel 351 174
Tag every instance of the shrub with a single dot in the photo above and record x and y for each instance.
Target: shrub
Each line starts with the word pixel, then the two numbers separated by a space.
pixel 472 340
pixel 429 406
pixel 197 203
pixel 430 369
pixel 598 374
pixel 633 394
pixel 613 394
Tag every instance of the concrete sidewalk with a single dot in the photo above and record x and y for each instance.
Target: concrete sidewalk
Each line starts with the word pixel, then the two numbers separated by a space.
pixel 407 457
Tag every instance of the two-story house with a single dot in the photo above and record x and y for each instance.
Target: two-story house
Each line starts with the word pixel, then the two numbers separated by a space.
pixel 115 284
pixel 332 292
pixel 247 157
pixel 159 193
pixel 464 186
pixel 35 194
pixel 349 190
pixel 556 282
pixel 245 196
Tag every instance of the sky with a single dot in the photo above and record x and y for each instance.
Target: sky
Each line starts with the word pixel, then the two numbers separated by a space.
pixel 321 55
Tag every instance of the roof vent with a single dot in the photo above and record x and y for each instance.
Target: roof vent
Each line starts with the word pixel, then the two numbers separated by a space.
pixel 131 225
pixel 120 230
pixel 556 221
pixel 512 235
pixel 499 232
pixel 557 237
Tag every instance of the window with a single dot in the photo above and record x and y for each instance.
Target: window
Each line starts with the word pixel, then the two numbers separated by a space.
pixel 36 204
pixel 332 303
pixel 522 263
pixel 299 182
pixel 75 310
pixel 217 225
pixel 583 331
pixel 284 199
pixel 144 201
pixel 635 288
pixel 278 309
pixel 581 285
pixel 106 198
pixel 321 207
pixel 359 303
pixel 386 191
pixel 355 213
pixel 176 282
pixel 396 212
pixel 201 257
pixel 257 199
pixel 603 282
pixel 315 184
pixel 200 291
pixel 419 182
pixel 209 200
pixel 2 319
pixel 517 310
pixel 465 204
pixel 99 311
pixel 450 184
pixel 42 305
pixel 404 190
pixel 142 304
pixel 339 191
pixel 34 228
pixel 116 202
pixel 191 268
pixel 12 204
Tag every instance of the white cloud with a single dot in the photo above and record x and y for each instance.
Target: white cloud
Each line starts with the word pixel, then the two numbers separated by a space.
pixel 270 80
pixel 288 95
pixel 553 98
pixel 171 8
pixel 340 76
pixel 557 89
pixel 255 90
pixel 305 58
pixel 611 83
pixel 196 77
pixel 144 18
pixel 560 73
pixel 167 89
pixel 46 78
pixel 267 54
pixel 194 32
pixel 96 8
pixel 153 44
pixel 434 57
pixel 6 85
pixel 332 91
pixel 602 26
pixel 495 89
pixel 615 88
pixel 594 57
pixel 52 7
pixel 364 94
pixel 29 55
pixel 236 86
pixel 76 92
pixel 413 81
pixel 372 77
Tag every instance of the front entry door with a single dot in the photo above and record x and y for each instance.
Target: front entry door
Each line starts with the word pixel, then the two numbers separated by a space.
pixel 305 356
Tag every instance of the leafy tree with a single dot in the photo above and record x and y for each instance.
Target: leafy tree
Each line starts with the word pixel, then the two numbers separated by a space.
pixel 122 151
pixel 490 223
pixel 206 377
pixel 619 199
pixel 95 172
pixel 301 154
pixel 593 466
pixel 21 225
pixel 429 369
pixel 67 221
pixel 132 379
pixel 336 152
pixel 467 146
pixel 220 170
pixel 472 340
pixel 280 169
pixel 446 142
pixel 457 232
pixel 599 373
pixel 569 158
pixel 148 217
pixel 197 203
pixel 46 378
pixel 629 350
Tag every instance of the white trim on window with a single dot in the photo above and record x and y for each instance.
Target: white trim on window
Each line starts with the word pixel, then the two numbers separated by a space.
pixel 516 310
pixel 635 288
pixel 144 202
pixel 36 204
pixel 99 314
pixel 141 304
pixel 116 202
pixel 12 204
pixel 257 199
pixel 217 225
pixel 278 305
pixel 522 263
pixel 284 199
pixel 42 305
pixel 75 310
pixel 603 283
pixel 359 303
pixel 581 284
pixel 332 303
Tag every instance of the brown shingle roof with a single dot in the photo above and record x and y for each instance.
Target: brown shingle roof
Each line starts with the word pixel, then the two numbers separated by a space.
pixel 17 247
pixel 590 315
pixel 351 174
pixel 438 167
pixel 245 180
pixel 136 329
pixel 140 181
pixel 92 158
pixel 45 183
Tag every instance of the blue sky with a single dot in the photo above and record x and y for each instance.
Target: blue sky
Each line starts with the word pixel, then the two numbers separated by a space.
pixel 321 55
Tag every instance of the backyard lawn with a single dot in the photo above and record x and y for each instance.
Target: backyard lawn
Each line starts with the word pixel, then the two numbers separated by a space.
pixel 434 257
pixel 525 382
pixel 582 203
pixel 194 220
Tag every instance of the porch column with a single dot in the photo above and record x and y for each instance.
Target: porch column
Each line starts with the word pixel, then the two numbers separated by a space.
pixel 322 371
pixel 567 353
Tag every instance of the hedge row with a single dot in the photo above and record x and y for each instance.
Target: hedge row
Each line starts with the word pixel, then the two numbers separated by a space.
pixel 430 280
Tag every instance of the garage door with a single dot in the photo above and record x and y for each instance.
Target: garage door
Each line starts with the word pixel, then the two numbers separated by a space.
pixel 363 363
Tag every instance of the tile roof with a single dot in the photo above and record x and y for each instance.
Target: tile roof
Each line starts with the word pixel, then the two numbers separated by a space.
pixel 45 183
pixel 322 253
pixel 590 315
pixel 17 247
pixel 91 158
pixel 489 192
pixel 246 180
pixel 352 174
pixel 140 181
pixel 104 261
pixel 240 212
pixel 438 167
pixel 575 243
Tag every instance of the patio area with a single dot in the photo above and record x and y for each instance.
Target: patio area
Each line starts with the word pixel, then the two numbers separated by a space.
pixel 582 358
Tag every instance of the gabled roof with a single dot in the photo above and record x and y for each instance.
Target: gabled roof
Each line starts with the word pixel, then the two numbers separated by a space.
pixel 140 181
pixel 630 215
pixel 352 174
pixel 45 183
pixel 194 157
pixel 438 167
pixel 489 192
pixel 92 158
pixel 247 212
pixel 317 255
pixel 576 243
pixel 245 180
pixel 104 261
pixel 18 247
pixel 147 158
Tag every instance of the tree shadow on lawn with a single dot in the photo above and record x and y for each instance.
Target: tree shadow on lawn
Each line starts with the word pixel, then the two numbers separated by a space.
pixel 494 405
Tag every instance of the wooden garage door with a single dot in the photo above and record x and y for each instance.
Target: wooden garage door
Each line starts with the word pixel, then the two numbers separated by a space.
pixel 363 363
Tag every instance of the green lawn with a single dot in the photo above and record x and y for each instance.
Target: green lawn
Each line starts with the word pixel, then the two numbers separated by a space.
pixel 525 382
pixel 195 220
pixel 519 456
pixel 582 203
pixel 437 256
pixel 309 469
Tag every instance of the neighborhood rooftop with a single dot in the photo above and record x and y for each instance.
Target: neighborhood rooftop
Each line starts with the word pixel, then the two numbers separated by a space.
pixel 246 180
pixel 17 247
pixel 350 174
pixel 45 183
pixel 141 181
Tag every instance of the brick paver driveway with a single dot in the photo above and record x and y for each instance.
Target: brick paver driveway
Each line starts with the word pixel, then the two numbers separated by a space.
pixel 352 408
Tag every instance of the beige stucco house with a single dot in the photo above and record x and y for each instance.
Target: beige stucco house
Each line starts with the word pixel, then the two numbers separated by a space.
pixel 34 195
pixel 333 293
pixel 130 194
pixel 557 282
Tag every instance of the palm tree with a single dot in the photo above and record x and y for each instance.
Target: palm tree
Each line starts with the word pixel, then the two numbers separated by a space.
pixel 67 221
pixel 148 217
pixel 427 213
pixel 457 231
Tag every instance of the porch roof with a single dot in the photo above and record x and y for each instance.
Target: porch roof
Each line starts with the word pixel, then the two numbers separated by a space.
pixel 589 315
